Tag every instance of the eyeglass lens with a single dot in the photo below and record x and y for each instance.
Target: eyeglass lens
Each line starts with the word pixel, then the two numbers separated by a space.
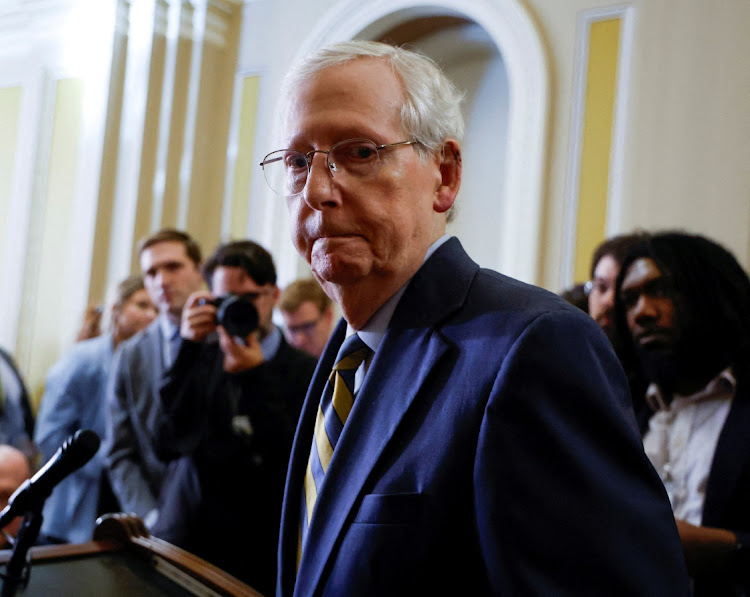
pixel 286 170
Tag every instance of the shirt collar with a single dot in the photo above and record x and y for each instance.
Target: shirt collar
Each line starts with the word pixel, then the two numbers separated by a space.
pixel 723 382
pixel 269 346
pixel 169 330
pixel 373 332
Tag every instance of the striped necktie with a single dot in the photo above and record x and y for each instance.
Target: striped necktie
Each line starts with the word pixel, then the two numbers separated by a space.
pixel 337 401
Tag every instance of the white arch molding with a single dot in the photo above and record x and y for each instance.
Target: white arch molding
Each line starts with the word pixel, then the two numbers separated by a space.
pixel 512 30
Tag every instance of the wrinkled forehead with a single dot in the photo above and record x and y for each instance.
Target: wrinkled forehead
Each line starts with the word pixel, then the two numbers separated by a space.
pixel 353 96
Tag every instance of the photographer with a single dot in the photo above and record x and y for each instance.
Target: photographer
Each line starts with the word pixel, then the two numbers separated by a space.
pixel 231 402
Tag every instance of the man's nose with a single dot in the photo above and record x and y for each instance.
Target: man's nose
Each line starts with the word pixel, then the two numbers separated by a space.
pixel 644 309
pixel 162 278
pixel 608 298
pixel 319 190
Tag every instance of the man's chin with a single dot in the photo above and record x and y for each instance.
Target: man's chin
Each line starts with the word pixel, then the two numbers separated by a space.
pixel 661 365
pixel 340 270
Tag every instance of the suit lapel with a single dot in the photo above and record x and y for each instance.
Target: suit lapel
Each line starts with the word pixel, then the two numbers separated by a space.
pixel 727 463
pixel 410 351
pixel 298 463
pixel 379 408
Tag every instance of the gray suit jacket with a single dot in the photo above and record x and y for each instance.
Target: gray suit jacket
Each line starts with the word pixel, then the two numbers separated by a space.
pixel 133 411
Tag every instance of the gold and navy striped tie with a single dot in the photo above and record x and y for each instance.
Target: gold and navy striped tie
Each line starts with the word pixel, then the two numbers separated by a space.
pixel 337 401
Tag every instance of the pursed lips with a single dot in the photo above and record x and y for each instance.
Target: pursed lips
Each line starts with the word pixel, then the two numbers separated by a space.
pixel 332 238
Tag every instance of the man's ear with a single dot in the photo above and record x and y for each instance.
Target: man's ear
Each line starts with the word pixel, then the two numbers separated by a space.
pixel 450 173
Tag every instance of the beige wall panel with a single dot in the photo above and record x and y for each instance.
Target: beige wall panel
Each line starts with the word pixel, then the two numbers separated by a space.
pixel 180 91
pixel 41 309
pixel 209 153
pixel 10 108
pixel 245 165
pixel 690 140
pixel 108 179
pixel 209 165
pixel 150 143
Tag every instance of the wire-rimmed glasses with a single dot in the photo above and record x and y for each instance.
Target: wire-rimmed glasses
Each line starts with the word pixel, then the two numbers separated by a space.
pixel 287 170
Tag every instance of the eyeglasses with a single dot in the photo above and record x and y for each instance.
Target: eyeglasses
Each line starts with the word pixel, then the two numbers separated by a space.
pixel 287 170
pixel 598 286
pixel 306 327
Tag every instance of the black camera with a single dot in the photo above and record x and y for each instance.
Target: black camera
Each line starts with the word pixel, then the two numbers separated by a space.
pixel 236 313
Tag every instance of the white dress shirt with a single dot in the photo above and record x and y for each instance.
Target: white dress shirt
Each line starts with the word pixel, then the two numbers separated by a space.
pixel 681 441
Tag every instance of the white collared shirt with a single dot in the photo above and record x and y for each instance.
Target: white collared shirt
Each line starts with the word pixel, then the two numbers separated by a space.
pixel 681 441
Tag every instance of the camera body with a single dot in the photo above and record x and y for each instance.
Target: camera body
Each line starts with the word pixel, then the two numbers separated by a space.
pixel 236 313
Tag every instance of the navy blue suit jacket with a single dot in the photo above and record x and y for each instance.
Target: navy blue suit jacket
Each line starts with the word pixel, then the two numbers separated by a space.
pixel 491 449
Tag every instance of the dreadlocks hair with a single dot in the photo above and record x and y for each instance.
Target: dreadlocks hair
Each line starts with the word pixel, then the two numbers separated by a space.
pixel 707 281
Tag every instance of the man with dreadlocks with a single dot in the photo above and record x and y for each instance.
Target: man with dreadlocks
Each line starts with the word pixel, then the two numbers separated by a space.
pixel 683 307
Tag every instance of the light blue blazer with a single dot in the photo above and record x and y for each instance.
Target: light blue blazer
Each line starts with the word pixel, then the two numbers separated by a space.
pixel 74 398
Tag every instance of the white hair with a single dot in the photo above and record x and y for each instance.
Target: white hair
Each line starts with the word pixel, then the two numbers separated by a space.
pixel 431 112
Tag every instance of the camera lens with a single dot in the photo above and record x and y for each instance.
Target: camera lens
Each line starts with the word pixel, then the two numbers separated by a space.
pixel 238 315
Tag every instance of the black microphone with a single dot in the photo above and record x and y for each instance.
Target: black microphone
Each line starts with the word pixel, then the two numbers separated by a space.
pixel 76 451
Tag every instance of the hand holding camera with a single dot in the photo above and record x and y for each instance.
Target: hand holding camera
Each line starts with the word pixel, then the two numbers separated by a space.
pixel 234 318
pixel 203 312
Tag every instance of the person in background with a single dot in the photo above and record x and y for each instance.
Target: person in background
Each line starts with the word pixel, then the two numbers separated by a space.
pixel 91 326
pixel 605 267
pixel 170 263
pixel 16 417
pixel 14 470
pixel 682 304
pixel 476 435
pixel 231 407
pixel 577 296
pixel 308 315
pixel 600 292
pixel 75 398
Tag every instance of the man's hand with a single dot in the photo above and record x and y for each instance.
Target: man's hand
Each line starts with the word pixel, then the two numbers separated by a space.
pixel 238 357
pixel 198 320
pixel 707 549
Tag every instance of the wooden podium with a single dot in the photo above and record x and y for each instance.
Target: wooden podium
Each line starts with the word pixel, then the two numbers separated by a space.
pixel 123 559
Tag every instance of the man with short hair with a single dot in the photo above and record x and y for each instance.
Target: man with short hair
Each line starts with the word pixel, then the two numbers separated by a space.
pixel 308 315
pixel 231 408
pixel 170 262
pixel 683 304
pixel 464 433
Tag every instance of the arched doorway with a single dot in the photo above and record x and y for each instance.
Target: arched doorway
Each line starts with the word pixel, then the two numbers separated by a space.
pixel 494 53
pixel 472 61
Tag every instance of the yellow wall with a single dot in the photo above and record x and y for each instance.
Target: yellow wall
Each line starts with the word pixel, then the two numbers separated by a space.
pixel 601 80
pixel 244 163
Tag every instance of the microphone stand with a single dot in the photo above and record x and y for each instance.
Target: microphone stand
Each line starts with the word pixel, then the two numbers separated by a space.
pixel 18 569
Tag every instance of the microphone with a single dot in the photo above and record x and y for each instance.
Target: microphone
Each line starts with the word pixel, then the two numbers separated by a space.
pixel 76 451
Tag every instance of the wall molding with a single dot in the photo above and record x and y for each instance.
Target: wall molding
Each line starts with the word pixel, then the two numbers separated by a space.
pixel 624 12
